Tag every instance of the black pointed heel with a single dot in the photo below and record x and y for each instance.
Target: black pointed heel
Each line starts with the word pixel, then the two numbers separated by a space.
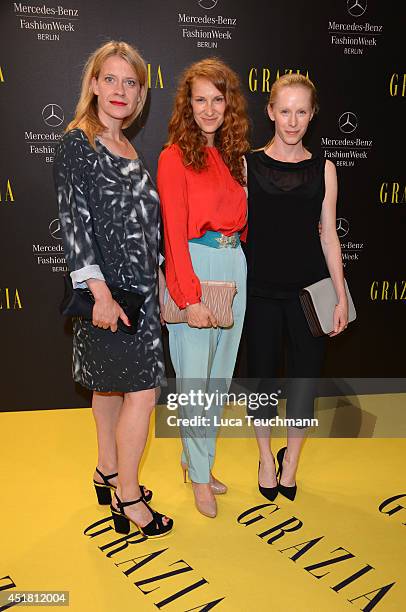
pixel 103 489
pixel 154 529
pixel 288 492
pixel 269 493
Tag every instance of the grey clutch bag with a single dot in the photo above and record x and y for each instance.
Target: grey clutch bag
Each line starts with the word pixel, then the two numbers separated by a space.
pixel 318 303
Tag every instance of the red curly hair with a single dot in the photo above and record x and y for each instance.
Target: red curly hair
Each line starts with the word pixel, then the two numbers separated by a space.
pixel 231 138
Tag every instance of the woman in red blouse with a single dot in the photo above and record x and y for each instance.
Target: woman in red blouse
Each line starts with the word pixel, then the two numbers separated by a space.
pixel 201 181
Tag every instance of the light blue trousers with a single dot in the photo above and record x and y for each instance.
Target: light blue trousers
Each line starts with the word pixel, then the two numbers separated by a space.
pixel 204 359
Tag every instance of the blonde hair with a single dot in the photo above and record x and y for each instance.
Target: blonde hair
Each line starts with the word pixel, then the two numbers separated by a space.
pixel 86 115
pixel 292 80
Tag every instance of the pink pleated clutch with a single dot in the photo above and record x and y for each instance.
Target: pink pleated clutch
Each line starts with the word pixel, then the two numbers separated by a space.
pixel 218 296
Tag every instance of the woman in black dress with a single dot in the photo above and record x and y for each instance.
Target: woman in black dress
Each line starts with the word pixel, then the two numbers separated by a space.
pixel 109 212
pixel 290 192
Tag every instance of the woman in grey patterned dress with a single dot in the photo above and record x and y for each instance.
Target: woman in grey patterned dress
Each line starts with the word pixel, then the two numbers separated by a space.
pixel 109 212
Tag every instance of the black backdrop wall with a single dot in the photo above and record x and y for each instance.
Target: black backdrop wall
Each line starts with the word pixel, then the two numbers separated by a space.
pixel 350 49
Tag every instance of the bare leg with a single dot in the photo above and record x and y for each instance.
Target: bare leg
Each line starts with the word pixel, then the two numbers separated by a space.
pixel 267 471
pixel 131 435
pixel 106 410
pixel 296 438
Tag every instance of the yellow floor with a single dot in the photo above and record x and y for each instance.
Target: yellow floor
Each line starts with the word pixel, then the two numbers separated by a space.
pixel 47 460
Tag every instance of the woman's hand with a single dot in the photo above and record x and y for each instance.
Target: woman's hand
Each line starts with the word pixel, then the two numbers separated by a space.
pixel 106 311
pixel 161 293
pixel 198 315
pixel 340 318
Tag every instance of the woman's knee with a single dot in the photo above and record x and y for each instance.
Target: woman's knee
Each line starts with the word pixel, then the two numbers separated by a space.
pixel 144 400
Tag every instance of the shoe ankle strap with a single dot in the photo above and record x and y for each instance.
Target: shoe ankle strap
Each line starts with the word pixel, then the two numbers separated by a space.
pixel 122 504
pixel 106 478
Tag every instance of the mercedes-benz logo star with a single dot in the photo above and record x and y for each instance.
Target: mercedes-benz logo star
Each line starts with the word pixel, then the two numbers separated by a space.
pixel 356 8
pixel 208 4
pixel 55 229
pixel 342 227
pixel 348 122
pixel 53 115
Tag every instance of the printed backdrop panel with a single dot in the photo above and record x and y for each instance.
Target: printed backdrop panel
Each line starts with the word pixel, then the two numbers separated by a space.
pixel 348 48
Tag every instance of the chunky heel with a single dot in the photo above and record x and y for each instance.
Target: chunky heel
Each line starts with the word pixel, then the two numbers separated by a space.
pixel 121 523
pixel 103 494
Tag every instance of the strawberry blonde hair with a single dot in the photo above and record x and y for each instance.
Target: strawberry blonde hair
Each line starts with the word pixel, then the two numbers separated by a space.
pixel 231 138
pixel 86 115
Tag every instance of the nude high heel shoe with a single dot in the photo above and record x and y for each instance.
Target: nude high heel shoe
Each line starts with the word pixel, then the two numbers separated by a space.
pixel 218 487
pixel 207 507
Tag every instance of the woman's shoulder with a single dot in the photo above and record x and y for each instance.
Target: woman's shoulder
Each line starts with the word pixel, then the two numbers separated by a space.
pixel 74 141
pixel 75 137
pixel 171 156
pixel 330 172
pixel 254 156
pixel 330 166
pixel 171 152
pixel 253 153
pixel 74 147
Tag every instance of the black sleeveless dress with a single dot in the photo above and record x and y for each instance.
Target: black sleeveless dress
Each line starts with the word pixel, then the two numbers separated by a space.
pixel 284 255
pixel 284 207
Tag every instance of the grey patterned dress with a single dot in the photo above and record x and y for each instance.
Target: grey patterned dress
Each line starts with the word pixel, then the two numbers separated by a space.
pixel 109 213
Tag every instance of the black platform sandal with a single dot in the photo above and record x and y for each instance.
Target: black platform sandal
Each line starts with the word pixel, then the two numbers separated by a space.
pixel 103 489
pixel 154 529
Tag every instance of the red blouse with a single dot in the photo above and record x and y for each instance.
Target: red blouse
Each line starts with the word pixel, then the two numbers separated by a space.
pixel 192 203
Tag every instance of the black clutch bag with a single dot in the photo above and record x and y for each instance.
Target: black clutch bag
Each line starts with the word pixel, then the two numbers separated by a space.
pixel 80 302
